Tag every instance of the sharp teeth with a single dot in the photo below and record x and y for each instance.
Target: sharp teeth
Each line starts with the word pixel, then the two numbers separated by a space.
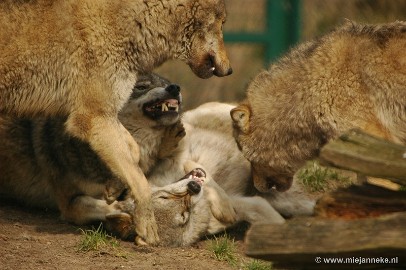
pixel 176 108
pixel 212 69
pixel 164 107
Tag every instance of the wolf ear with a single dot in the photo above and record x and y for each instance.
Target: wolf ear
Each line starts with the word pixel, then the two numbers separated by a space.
pixel 241 117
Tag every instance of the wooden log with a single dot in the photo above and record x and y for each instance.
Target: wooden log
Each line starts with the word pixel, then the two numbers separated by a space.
pixel 305 243
pixel 360 201
pixel 363 153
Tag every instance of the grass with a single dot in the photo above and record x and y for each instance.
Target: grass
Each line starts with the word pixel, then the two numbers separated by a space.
pixel 224 249
pixel 257 265
pixel 317 178
pixel 96 240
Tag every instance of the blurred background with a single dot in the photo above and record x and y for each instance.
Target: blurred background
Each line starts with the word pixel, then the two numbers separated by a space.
pixel 272 26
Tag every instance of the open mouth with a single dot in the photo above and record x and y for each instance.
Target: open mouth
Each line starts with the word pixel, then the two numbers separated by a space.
pixel 158 108
pixel 197 175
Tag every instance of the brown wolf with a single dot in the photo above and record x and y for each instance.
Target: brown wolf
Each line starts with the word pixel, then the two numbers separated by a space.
pixel 354 76
pixel 43 166
pixel 80 58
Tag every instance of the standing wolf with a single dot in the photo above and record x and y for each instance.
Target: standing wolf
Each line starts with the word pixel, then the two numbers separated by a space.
pixel 81 58
pixel 354 76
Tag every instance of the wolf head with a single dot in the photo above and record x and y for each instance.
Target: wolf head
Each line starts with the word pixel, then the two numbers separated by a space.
pixel 201 43
pixel 181 210
pixel 154 102
pixel 265 173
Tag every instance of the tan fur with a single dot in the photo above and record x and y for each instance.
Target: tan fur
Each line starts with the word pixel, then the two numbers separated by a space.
pixel 354 76
pixel 209 145
pixel 81 58
pixel 43 166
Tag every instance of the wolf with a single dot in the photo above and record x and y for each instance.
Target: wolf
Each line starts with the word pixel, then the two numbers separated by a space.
pixel 81 58
pixel 218 177
pixel 42 165
pixel 352 77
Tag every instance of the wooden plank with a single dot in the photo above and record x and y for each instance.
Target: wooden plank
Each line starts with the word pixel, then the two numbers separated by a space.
pixel 368 155
pixel 360 201
pixel 298 243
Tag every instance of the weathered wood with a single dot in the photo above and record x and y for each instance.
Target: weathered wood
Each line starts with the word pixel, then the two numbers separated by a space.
pixel 363 153
pixel 299 242
pixel 360 201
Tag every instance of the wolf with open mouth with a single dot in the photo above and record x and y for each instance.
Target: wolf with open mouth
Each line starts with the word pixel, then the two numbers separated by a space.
pixel 42 166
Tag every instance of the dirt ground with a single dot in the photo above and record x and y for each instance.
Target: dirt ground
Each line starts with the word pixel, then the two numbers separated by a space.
pixel 33 239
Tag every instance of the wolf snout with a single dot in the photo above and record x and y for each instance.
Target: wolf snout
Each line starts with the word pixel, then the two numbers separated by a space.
pixel 193 187
pixel 217 73
pixel 173 90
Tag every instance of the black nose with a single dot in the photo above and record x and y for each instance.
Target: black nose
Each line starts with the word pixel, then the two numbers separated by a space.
pixel 173 89
pixel 193 187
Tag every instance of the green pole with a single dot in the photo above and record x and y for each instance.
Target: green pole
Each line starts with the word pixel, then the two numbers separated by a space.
pixel 282 29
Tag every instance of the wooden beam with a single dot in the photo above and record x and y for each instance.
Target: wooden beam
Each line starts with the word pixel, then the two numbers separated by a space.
pixel 299 243
pixel 363 153
pixel 360 201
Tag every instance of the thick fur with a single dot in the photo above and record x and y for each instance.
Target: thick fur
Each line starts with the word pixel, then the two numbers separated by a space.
pixel 40 167
pixel 209 144
pixel 353 77
pixel 80 58
pixel 43 166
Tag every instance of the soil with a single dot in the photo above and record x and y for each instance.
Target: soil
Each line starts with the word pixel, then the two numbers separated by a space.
pixel 34 239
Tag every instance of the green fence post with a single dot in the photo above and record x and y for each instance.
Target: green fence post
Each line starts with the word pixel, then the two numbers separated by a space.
pixel 282 29
pixel 283 26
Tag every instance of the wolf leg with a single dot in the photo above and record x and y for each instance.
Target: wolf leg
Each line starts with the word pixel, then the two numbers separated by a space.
pixel 255 210
pixel 116 216
pixel 85 209
pixel 117 148
pixel 171 139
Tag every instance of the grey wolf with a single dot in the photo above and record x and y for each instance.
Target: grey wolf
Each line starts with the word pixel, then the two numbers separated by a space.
pixel 42 165
pixel 353 77
pixel 81 58
pixel 217 178
pixel 208 146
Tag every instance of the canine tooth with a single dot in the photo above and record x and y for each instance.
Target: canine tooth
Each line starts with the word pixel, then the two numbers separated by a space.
pixel 177 109
pixel 212 69
pixel 164 107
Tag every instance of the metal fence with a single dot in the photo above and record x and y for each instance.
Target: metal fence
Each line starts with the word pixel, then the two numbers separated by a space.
pixel 282 29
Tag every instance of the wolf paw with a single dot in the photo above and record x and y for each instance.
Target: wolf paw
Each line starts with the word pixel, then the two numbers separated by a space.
pixel 145 225
pixel 171 139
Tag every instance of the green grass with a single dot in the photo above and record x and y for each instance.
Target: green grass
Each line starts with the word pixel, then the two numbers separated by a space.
pixel 96 239
pixel 257 265
pixel 224 249
pixel 317 178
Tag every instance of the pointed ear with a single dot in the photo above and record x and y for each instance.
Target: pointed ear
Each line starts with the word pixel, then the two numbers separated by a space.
pixel 241 117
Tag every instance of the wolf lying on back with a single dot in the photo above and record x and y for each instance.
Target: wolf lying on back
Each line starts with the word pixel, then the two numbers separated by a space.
pixel 39 168
pixel 210 153
pixel 43 166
